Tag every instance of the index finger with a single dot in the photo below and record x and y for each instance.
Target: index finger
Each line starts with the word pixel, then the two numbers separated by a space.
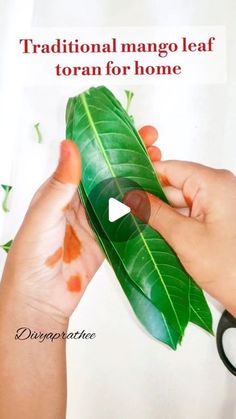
pixel 149 135
pixel 175 173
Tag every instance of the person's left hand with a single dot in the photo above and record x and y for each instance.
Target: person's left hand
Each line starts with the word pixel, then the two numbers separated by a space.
pixel 55 253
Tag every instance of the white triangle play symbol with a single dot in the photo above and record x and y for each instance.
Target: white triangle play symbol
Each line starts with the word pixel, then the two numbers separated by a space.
pixel 116 210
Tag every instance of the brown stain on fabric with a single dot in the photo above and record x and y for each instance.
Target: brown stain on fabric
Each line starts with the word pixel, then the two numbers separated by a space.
pixel 74 283
pixel 52 260
pixel 72 245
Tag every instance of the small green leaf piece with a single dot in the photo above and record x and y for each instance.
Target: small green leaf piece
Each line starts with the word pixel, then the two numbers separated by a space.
pixel 7 189
pixel 38 132
pixel 7 246
pixel 129 97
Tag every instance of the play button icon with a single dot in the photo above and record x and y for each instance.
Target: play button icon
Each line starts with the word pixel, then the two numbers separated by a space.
pixel 109 215
pixel 116 210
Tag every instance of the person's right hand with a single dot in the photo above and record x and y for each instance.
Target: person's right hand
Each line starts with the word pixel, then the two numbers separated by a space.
pixel 200 224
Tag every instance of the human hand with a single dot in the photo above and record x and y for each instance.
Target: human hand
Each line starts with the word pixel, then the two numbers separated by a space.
pixel 55 254
pixel 200 224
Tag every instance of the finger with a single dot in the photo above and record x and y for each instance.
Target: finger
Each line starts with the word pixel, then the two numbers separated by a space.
pixel 175 173
pixel 69 167
pixel 154 153
pixel 149 135
pixel 56 193
pixel 184 211
pixel 175 197
pixel 174 227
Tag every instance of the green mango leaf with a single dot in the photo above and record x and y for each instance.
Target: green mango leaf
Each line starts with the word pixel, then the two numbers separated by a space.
pixel 149 271
pixel 150 317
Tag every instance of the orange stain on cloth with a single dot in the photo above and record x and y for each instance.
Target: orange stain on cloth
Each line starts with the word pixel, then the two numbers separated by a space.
pixel 72 245
pixel 74 283
pixel 52 260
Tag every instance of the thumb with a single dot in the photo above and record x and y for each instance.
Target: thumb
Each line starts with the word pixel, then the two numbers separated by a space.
pixel 178 230
pixel 57 192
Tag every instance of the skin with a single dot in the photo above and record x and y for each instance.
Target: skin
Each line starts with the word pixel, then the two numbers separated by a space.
pixel 53 258
pixel 41 287
pixel 200 224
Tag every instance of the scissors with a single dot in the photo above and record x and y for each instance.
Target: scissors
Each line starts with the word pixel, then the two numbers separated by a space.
pixel 227 321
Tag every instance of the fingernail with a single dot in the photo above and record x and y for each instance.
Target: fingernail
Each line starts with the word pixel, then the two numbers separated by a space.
pixel 64 150
pixel 133 200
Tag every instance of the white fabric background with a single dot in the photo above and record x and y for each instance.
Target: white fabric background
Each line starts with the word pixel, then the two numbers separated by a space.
pixel 124 373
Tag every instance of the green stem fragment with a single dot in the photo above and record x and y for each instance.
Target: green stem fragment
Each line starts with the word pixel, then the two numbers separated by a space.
pixel 39 134
pixel 6 246
pixel 129 97
pixel 7 189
